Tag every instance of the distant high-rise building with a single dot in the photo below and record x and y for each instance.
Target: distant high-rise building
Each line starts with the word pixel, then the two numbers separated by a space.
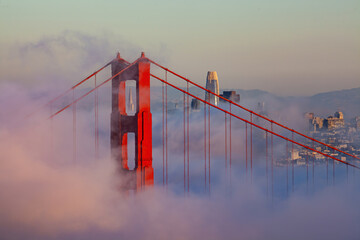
pixel 339 115
pixel 261 107
pixel 131 105
pixel 231 95
pixel 195 104
pixel 212 84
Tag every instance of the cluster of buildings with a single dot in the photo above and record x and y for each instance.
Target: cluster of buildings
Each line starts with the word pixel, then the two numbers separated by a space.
pixel 334 123
pixel 329 123
pixel 334 131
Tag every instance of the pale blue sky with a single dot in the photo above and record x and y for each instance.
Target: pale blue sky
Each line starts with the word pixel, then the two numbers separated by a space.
pixel 283 46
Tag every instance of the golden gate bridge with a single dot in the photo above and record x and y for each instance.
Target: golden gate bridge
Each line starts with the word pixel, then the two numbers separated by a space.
pixel 140 124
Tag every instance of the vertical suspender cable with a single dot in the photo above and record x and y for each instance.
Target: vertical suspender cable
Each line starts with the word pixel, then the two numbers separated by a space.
pixel 292 161
pixel 96 120
pixel 307 171
pixel 205 142
pixel 225 144
pixel 97 123
pixel 266 157
pixel 74 127
pixel 333 170
pixel 272 163
pixel 246 149
pixel 184 144
pixel 313 169
pixel 287 168
pixel 51 131
pixel 354 174
pixel 209 141
pixel 166 132
pixel 230 142
pixel 188 137
pixel 327 171
pixel 251 149
pixel 95 133
pixel 163 133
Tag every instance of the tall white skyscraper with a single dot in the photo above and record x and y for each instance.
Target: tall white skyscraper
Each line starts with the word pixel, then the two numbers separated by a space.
pixel 131 105
pixel 212 84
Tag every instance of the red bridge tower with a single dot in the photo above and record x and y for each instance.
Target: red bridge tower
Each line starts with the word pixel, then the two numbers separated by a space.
pixel 140 124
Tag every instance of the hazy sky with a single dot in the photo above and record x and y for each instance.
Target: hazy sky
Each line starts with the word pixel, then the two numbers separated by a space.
pixel 282 46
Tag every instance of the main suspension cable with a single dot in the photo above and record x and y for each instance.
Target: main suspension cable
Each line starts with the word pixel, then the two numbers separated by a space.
pixel 252 112
pixel 255 125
